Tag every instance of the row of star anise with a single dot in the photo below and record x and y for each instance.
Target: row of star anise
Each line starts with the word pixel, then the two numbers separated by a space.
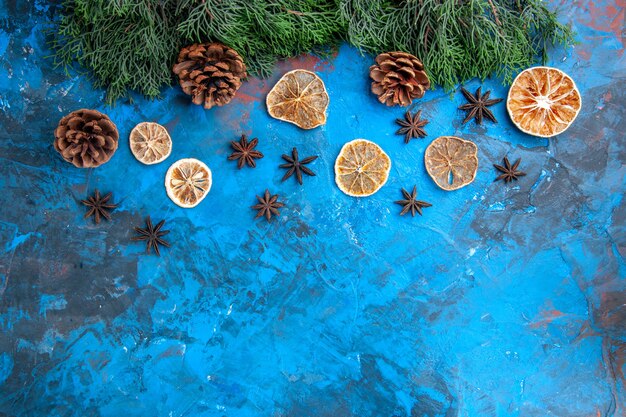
pixel 99 207
pixel 412 126
pixel 244 153
pixel 412 204
pixel 268 204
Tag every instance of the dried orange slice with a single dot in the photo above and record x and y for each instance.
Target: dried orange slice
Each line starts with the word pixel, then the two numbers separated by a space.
pixel 187 182
pixel 361 168
pixel 150 143
pixel 543 101
pixel 451 162
pixel 299 97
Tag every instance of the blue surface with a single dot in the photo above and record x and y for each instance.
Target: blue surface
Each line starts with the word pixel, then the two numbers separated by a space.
pixel 502 300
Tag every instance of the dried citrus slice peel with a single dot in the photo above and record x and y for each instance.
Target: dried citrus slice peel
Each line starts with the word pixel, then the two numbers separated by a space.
pixel 543 101
pixel 150 143
pixel 451 162
pixel 361 168
pixel 299 97
pixel 187 182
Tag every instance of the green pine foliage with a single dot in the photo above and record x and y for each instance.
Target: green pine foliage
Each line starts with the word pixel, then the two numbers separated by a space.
pixel 125 44
pixel 132 44
pixel 262 31
pixel 458 40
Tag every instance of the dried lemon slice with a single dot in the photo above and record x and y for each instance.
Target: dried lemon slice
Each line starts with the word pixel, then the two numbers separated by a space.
pixel 451 162
pixel 150 143
pixel 543 101
pixel 187 182
pixel 361 168
pixel 299 97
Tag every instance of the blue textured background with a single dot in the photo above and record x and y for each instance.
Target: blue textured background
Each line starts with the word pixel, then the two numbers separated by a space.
pixel 502 300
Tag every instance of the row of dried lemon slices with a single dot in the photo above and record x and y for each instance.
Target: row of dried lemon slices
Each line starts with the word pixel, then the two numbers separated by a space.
pixel 542 101
pixel 187 181
pixel 298 97
pixel 362 167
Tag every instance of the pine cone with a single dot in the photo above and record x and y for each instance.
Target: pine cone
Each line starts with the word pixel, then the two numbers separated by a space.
pixel 211 73
pixel 398 78
pixel 86 138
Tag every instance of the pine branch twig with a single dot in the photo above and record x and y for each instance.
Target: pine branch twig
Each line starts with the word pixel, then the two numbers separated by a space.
pixel 495 13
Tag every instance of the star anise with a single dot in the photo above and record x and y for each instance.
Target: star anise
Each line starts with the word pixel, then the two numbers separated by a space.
pixel 99 206
pixel 509 172
pixel 244 152
pixel 294 165
pixel 477 106
pixel 410 203
pixel 412 126
pixel 268 205
pixel 152 235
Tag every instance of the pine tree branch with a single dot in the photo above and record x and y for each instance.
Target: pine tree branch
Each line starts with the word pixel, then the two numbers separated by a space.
pixel 132 44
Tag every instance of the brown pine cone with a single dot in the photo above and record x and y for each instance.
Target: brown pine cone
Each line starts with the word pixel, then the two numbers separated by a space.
pixel 211 73
pixel 86 138
pixel 398 78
